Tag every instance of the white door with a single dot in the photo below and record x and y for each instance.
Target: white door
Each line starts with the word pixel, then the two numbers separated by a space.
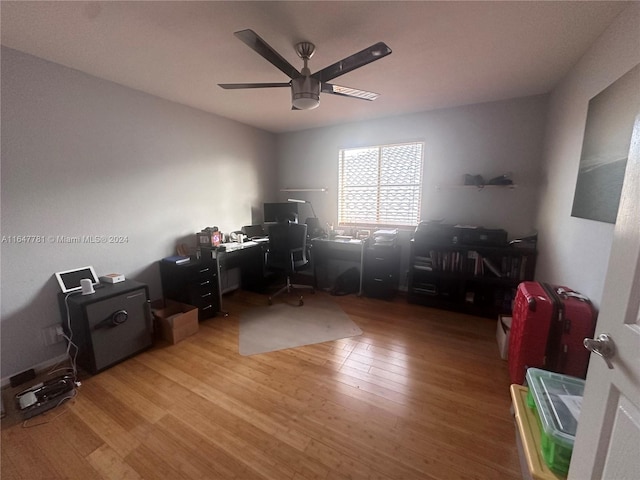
pixel 608 439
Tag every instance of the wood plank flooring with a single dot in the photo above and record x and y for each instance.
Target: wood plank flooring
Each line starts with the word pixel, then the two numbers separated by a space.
pixel 422 394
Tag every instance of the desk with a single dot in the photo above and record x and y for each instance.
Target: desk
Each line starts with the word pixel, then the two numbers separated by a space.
pixel 237 265
pixel 325 251
pixel 219 271
pixel 202 281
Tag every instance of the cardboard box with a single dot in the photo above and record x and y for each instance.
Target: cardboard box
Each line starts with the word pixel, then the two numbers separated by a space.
pixel 502 335
pixel 176 321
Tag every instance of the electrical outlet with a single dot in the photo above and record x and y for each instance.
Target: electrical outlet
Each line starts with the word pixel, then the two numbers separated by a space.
pixel 50 335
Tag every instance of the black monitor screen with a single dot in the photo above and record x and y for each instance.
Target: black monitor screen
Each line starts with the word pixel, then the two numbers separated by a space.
pixel 278 212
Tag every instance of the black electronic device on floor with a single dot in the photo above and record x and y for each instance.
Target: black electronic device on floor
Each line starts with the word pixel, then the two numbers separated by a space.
pixel 45 395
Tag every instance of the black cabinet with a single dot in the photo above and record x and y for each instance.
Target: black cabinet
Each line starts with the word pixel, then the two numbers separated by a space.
pixel 109 325
pixel 194 283
pixel 478 280
pixel 381 270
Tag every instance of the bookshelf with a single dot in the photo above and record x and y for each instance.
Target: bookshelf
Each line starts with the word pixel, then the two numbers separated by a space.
pixel 479 280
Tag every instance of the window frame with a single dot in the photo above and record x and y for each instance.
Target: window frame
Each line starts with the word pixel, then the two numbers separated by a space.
pixel 379 184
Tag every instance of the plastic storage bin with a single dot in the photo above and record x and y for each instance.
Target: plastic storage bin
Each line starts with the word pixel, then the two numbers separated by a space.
pixel 556 398
pixel 532 464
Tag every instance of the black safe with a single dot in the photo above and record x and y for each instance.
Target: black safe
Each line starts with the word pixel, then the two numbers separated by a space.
pixel 108 326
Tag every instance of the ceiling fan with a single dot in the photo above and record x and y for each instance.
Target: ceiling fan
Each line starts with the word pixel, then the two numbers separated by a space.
pixel 306 87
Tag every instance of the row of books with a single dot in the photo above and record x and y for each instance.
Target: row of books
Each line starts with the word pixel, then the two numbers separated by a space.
pixel 473 263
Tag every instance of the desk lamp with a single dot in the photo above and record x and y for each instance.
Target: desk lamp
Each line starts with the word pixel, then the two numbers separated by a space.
pixel 295 200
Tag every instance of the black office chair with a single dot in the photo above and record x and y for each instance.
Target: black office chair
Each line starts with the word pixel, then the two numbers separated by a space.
pixel 287 254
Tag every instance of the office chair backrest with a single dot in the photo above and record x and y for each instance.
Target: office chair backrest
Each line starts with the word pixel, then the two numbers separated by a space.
pixel 285 238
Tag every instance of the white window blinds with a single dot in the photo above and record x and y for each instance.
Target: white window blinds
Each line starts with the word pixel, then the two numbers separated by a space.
pixel 380 185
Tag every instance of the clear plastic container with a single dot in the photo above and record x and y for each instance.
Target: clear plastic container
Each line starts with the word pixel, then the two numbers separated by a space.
pixel 556 398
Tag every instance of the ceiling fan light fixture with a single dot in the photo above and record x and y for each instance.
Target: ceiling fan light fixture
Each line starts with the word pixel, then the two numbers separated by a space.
pixel 305 93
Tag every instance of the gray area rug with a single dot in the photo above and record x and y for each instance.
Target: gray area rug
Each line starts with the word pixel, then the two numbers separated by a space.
pixel 280 326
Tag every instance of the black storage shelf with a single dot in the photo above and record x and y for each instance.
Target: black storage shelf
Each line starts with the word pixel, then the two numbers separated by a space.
pixel 453 305
pixel 479 280
pixel 488 280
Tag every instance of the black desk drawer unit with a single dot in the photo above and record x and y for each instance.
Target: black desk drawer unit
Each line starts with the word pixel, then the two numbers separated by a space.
pixel 194 283
pixel 381 270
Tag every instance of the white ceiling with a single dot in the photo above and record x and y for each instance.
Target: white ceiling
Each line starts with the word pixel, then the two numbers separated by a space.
pixel 444 53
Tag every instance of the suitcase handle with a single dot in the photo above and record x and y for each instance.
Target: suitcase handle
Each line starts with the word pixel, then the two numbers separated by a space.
pixel 568 293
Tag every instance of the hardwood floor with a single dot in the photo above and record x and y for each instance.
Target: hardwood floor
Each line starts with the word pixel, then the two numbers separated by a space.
pixel 422 394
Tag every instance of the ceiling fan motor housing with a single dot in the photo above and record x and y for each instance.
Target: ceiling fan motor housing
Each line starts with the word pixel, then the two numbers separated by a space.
pixel 305 92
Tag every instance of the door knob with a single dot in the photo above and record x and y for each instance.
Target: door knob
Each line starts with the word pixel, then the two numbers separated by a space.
pixel 602 346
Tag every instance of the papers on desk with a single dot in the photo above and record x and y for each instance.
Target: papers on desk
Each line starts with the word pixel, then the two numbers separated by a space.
pixel 336 240
pixel 385 236
pixel 389 232
pixel 231 246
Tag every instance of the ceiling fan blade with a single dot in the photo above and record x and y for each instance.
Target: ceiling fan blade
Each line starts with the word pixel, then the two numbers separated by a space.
pixel 357 60
pixel 348 92
pixel 235 86
pixel 261 47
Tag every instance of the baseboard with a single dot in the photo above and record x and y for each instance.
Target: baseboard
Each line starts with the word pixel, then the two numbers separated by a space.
pixel 39 368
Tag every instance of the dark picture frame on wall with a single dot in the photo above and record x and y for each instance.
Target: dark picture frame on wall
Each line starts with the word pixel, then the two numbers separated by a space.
pixel 605 149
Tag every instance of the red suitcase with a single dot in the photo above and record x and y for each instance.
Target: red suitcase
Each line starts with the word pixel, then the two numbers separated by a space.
pixel 548 326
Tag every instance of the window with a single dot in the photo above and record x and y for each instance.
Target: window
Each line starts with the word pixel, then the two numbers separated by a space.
pixel 380 185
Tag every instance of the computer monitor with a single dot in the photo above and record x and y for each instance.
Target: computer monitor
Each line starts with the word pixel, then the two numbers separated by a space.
pixel 278 212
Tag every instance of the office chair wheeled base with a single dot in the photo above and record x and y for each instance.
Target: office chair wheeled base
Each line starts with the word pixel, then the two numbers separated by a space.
pixel 289 288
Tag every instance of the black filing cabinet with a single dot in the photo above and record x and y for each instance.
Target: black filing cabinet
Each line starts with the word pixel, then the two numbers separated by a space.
pixel 108 326
pixel 194 283
pixel 381 270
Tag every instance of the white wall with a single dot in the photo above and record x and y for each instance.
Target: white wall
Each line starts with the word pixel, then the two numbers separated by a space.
pixel 84 156
pixel 575 251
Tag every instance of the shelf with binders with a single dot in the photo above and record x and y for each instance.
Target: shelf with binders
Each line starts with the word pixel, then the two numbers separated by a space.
pixel 479 280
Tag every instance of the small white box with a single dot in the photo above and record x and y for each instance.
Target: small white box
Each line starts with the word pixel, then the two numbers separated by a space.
pixel 502 335
pixel 112 278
